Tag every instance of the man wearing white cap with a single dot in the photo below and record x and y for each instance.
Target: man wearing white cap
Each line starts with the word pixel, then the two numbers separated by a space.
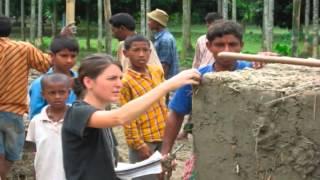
pixel 164 42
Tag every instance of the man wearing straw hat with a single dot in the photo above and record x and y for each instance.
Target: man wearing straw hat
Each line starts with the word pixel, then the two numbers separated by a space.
pixel 164 42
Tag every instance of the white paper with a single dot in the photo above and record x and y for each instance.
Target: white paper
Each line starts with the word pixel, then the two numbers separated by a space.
pixel 152 165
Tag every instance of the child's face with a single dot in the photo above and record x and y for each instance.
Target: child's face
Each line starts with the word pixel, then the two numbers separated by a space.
pixel 106 87
pixel 64 60
pixel 138 54
pixel 226 43
pixel 55 94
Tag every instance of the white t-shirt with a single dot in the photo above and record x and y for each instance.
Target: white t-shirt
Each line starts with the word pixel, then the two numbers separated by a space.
pixel 46 134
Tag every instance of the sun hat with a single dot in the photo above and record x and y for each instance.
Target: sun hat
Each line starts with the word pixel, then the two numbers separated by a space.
pixel 159 16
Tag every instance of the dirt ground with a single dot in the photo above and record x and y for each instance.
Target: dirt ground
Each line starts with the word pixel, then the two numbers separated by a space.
pixel 182 155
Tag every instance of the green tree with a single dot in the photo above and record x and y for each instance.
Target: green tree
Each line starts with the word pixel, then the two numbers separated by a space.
pixel 39 32
pixel 107 15
pixel 1 7
pixel 33 21
pixel 295 27
pixel 315 19
pixel 225 9
pixel 306 44
pixel 234 10
pixel 23 37
pixel 99 25
pixel 186 25
pixel 7 8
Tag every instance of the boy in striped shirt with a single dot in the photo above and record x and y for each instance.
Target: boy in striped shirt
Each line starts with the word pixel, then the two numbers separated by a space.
pixel 16 59
pixel 143 135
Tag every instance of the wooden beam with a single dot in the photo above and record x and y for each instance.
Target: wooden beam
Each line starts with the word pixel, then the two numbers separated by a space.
pixel 270 59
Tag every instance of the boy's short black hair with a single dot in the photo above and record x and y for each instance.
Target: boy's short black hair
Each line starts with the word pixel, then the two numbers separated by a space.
pixel 61 42
pixel 224 27
pixel 55 78
pixel 211 17
pixel 123 19
pixel 134 38
pixel 5 26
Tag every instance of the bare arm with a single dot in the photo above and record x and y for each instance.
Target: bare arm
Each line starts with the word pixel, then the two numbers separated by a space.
pixel 133 109
pixel 173 125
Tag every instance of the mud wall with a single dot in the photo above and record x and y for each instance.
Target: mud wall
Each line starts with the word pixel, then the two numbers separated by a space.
pixel 258 124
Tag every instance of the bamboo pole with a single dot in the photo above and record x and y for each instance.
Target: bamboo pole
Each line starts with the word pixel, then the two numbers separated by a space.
pixel 70 11
pixel 269 59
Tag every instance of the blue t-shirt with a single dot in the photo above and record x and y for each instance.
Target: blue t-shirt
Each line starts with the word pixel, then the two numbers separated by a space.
pixel 36 100
pixel 181 102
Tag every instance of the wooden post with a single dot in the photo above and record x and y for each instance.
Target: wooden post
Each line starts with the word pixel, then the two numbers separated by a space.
pixel 70 11
pixel 107 16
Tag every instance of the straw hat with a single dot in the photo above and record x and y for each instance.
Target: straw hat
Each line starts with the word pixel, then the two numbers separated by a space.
pixel 159 16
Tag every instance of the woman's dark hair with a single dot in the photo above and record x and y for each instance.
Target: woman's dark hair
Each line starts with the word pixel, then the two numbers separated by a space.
pixel 78 89
pixel 61 42
pixel 5 26
pixel 224 27
pixel 92 66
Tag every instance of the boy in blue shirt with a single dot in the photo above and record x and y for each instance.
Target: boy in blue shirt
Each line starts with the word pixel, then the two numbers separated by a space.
pixel 64 50
pixel 223 36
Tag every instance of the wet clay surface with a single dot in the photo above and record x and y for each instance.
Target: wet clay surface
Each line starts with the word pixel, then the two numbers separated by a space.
pixel 258 124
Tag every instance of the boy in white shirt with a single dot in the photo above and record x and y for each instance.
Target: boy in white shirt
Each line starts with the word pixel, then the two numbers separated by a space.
pixel 45 128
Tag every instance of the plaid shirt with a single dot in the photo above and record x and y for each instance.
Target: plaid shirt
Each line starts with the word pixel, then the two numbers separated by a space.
pixel 149 127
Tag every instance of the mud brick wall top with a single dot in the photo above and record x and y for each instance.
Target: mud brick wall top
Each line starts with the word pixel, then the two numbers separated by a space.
pixel 258 124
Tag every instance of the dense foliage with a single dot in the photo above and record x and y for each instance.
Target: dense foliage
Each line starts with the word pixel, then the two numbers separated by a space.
pixel 249 11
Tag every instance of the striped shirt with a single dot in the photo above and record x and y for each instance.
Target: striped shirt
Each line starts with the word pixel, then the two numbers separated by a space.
pixel 16 58
pixel 149 127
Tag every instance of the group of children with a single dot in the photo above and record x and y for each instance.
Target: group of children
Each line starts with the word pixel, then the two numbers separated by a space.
pixel 85 150
pixel 71 128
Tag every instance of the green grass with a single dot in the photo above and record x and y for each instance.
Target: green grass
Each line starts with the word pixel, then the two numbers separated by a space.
pixel 252 39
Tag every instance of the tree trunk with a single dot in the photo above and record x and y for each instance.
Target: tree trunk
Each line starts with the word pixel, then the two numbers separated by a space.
pixel 225 9
pixel 1 7
pixel 186 35
pixel 107 15
pixel 23 37
pixel 315 19
pixel 265 25
pixel 295 27
pixel 39 34
pixel 234 10
pixel 99 25
pixel 70 11
pixel 148 9
pixel 270 25
pixel 88 34
pixel 219 6
pixel 54 19
pixel 33 21
pixel 306 44
pixel 7 8
pixel 143 17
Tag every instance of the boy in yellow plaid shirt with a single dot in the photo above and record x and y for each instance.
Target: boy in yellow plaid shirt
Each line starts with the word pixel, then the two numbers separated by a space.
pixel 143 135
